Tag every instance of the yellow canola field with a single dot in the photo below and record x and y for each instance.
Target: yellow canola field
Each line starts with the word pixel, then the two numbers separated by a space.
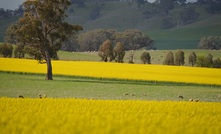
pixel 76 116
pixel 118 71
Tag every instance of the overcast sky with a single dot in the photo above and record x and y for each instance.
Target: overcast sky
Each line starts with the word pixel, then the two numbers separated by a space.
pixel 13 4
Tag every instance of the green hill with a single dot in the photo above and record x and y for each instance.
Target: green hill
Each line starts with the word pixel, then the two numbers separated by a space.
pixel 126 15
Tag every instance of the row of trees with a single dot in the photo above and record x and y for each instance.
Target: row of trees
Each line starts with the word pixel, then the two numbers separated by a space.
pixel 193 59
pixel 109 53
pixel 91 40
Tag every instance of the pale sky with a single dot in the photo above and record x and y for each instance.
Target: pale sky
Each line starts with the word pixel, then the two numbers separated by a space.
pixel 13 4
pixel 10 4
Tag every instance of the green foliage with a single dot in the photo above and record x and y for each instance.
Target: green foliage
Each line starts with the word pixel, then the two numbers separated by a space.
pixel 217 63
pixel 210 59
pixel 202 61
pixel 106 51
pixel 166 5
pixel 192 59
pixel 43 30
pixel 169 60
pixel 145 58
pixel 189 15
pixel 19 51
pixel 119 52
pixel 6 50
pixel 179 58
pixel 123 15
pixel 211 42
pixel 132 39
pixel 91 40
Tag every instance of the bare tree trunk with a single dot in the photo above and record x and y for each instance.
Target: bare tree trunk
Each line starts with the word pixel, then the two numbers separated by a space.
pixel 49 75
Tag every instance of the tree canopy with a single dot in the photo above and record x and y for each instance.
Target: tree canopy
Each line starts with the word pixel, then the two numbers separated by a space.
pixel 211 42
pixel 179 58
pixel 169 60
pixel 43 29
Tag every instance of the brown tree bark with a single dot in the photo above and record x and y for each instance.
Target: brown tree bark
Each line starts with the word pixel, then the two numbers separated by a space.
pixel 49 75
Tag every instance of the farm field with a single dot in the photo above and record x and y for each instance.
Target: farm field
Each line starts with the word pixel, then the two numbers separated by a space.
pixel 103 105
pixel 138 72
pixel 30 86
pixel 108 116
pixel 158 56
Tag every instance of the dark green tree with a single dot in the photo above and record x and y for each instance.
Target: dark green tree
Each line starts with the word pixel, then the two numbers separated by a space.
pixel 43 28
pixel 202 61
pixel 210 59
pixel 166 5
pixel 6 50
pixel 119 52
pixel 179 58
pixel 169 60
pixel 189 15
pixel 217 63
pixel 211 42
pixel 106 51
pixel 140 2
pixel 19 51
pixel 192 59
pixel 134 40
pixel 145 58
pixel 91 40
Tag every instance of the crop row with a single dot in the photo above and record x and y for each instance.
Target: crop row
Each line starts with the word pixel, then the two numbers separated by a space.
pixel 117 71
pixel 107 116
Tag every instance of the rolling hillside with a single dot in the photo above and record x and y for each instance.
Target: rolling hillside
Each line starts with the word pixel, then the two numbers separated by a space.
pixel 124 15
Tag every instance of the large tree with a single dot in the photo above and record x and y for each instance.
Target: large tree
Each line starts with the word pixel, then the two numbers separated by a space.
pixel 43 29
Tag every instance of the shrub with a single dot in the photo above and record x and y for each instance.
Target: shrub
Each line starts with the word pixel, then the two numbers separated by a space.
pixel 169 59
pixel 6 50
pixel 179 58
pixel 192 58
pixel 145 58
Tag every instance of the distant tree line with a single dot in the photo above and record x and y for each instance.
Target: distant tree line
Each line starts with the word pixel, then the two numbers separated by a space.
pixel 91 40
pixel 108 52
pixel 4 13
pixel 210 42
pixel 116 43
pixel 193 60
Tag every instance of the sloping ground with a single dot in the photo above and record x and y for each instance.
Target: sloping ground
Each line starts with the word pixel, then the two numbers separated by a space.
pixel 184 38
pixel 122 16
pixel 4 23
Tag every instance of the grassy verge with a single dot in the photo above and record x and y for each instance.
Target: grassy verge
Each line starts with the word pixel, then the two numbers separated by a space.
pixel 158 56
pixel 13 85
